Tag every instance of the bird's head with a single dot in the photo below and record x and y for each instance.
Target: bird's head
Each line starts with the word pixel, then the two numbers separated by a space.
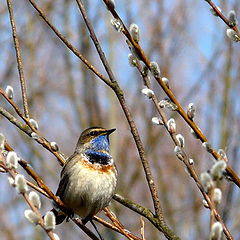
pixel 96 138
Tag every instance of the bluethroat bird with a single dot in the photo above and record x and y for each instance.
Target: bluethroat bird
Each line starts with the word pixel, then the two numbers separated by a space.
pixel 89 176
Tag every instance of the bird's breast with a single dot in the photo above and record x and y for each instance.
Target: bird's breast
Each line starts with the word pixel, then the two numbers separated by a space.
pixel 90 187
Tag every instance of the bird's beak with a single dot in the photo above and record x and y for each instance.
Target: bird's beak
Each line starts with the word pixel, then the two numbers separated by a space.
pixel 108 132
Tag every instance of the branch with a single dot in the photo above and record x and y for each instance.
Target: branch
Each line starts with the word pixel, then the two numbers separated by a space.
pixel 19 59
pixel 141 54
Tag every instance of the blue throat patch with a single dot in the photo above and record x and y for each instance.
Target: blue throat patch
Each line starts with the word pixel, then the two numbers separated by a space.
pixel 100 143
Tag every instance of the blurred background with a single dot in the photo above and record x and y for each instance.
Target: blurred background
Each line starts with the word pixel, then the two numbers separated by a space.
pixel 203 67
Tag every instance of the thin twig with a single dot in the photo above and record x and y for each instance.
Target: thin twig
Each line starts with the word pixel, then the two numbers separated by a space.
pixel 19 59
pixel 141 54
pixel 26 129
pixel 225 20
pixel 111 226
pixel 213 211
pixel 120 96
pixel 68 44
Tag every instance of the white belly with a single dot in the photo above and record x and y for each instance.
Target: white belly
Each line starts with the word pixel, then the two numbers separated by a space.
pixel 89 191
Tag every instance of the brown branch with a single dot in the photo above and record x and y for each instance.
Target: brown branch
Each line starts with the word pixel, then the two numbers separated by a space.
pixel 225 20
pixel 213 210
pixel 19 59
pixel 120 96
pixel 111 226
pixel 26 129
pixel 140 53
pixel 68 44
pixel 117 223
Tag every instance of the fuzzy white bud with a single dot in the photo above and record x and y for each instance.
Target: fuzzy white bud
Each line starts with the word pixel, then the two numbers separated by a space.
pixel 222 155
pixel 180 139
pixel 166 81
pixel 191 111
pixel 2 141
pixel 171 125
pixel 206 181
pixel 232 18
pixel 34 123
pixel 156 121
pixel 135 32
pixel 31 216
pixel 190 161
pixel 132 60
pixel 34 136
pixel 217 195
pixel 167 103
pixel 232 35
pixel 214 12
pixel 147 92
pixel 216 231
pixel 49 221
pixel 117 24
pixel 54 146
pixel 205 204
pixel 35 199
pixel 218 168
pixel 179 153
pixel 9 92
pixel 12 160
pixel 155 69
pixel 21 183
pixel 145 71
pixel 207 146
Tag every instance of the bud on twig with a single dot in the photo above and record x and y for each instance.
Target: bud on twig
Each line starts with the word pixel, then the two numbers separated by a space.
pixel 217 195
pixel 21 184
pixel 155 69
pixel 180 139
pixel 34 123
pixel 232 35
pixel 157 121
pixel 9 92
pixel 216 231
pixel 171 125
pixel 179 153
pixel 2 141
pixel 214 12
pixel 167 103
pixel 134 31
pixel 54 146
pixel 190 161
pixel 218 168
pixel 206 181
pixel 117 24
pixel 12 160
pixel 35 199
pixel 166 81
pixel 132 60
pixel 222 155
pixel 191 111
pixel 49 221
pixel 147 92
pixel 232 18
pixel 31 216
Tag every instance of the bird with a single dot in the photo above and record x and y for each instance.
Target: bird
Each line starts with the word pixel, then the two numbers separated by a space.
pixel 89 176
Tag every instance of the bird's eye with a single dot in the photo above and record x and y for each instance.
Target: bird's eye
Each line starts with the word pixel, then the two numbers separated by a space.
pixel 93 133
